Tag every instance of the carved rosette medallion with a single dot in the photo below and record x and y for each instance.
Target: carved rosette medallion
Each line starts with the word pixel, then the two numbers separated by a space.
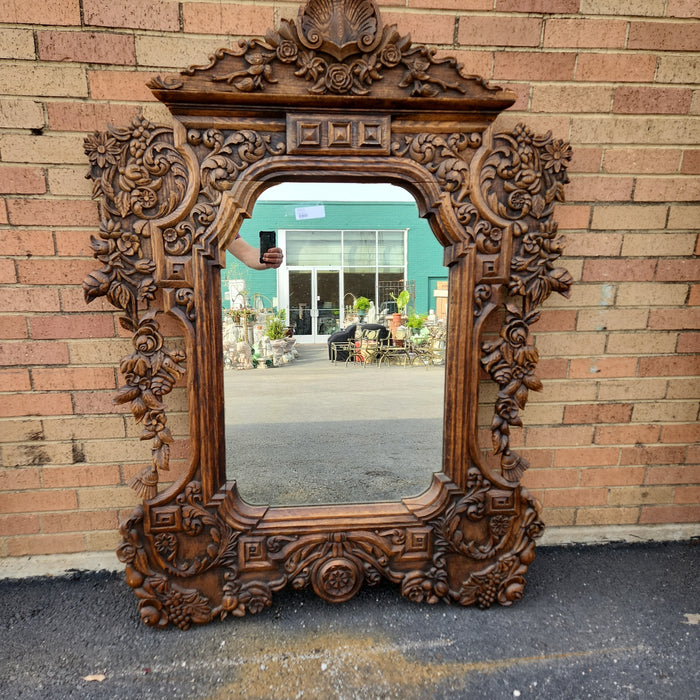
pixel 336 580
pixel 170 198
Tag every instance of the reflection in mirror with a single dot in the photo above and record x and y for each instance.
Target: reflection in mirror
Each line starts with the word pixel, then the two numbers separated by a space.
pixel 331 396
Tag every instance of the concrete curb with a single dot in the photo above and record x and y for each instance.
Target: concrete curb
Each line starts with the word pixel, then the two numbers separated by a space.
pixel 57 565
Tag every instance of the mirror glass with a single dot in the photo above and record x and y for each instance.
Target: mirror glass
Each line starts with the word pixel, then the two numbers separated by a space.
pixel 334 364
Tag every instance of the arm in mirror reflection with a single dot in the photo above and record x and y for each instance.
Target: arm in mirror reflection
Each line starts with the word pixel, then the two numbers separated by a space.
pixel 250 255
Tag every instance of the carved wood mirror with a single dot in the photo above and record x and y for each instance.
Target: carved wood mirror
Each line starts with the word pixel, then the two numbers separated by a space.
pixel 334 95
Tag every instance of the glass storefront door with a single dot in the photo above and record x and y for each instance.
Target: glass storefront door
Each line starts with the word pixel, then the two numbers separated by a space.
pixel 314 303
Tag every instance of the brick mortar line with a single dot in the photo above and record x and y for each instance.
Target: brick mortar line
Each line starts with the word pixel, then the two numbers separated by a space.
pixel 500 48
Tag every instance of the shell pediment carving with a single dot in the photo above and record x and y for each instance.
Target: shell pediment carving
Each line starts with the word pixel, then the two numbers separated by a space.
pixel 338 48
pixel 339 27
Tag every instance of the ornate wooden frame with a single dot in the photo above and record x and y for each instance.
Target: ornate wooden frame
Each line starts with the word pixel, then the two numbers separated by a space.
pixel 334 94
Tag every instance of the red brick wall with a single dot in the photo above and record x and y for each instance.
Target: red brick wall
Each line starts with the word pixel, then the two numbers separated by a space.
pixel 612 438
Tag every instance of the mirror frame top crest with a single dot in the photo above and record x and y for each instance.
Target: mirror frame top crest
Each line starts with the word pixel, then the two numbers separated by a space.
pixel 339 95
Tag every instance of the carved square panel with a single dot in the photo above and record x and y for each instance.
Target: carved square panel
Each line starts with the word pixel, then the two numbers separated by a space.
pixel 371 134
pixel 252 553
pixel 177 272
pixel 490 267
pixel 165 519
pixel 502 502
pixel 340 134
pixel 309 133
pixel 417 543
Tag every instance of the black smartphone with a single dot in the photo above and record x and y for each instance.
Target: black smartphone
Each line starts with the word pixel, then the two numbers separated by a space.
pixel 267 240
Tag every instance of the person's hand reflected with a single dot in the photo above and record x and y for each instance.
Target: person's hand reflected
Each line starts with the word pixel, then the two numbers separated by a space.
pixel 250 256
pixel 273 258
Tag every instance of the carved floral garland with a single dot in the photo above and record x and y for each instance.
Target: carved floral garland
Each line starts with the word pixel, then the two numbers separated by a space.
pixel 531 172
pixel 138 176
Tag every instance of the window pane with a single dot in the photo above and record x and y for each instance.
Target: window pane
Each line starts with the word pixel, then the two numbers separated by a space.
pixel 360 284
pixel 313 248
pixel 360 249
pixel 300 301
pixel 391 248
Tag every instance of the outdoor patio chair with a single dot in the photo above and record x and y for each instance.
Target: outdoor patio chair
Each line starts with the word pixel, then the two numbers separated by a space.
pixel 431 351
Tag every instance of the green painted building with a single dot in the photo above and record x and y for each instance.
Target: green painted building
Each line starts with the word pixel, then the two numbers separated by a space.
pixel 334 253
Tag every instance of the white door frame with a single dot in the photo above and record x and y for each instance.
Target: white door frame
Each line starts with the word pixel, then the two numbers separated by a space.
pixel 314 337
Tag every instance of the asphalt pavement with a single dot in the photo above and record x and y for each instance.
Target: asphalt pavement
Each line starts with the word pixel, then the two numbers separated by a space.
pixel 315 432
pixel 607 621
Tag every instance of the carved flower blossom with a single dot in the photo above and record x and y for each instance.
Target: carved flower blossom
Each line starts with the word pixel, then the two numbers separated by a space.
pixel 287 51
pixel 339 78
pixel 255 597
pixel 515 333
pixel 390 56
pixel 339 578
pixel 101 149
pixel 310 65
pixel 417 74
pixel 520 200
pixel 556 155
pixel 170 235
pixel 129 244
pixel 367 70
pixel 508 410
pixel 532 244
pixel 147 340
pixel 499 524
pixel 143 197
pixel 165 544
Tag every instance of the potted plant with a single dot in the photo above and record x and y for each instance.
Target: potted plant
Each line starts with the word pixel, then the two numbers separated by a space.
pixel 416 321
pixel 276 327
pixel 401 300
pixel 361 306
pixel 277 331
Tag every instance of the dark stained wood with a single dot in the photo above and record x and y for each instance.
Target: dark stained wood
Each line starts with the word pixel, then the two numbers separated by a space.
pixel 335 94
